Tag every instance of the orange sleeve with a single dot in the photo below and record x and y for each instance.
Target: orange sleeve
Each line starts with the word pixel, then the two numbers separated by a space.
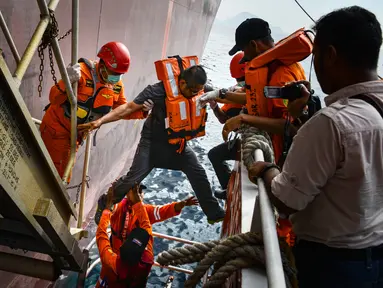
pixel 142 217
pixel 121 98
pixel 117 214
pixel 284 74
pixel 56 97
pixel 161 213
pixel 107 256
pixel 139 114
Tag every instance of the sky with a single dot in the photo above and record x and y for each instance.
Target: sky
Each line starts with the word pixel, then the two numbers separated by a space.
pixel 287 15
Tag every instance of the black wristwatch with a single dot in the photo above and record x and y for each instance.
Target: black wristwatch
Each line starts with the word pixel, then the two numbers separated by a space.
pixel 222 93
pixel 267 167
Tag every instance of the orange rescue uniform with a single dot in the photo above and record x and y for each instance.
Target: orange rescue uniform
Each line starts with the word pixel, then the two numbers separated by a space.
pixel 95 99
pixel 276 67
pixel 123 220
pixel 227 108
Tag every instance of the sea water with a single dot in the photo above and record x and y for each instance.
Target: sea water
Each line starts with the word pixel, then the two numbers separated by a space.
pixel 164 186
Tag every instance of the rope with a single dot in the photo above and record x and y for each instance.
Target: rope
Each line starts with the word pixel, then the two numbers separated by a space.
pixel 227 248
pixel 186 254
pixel 252 139
pixel 230 267
pixel 227 255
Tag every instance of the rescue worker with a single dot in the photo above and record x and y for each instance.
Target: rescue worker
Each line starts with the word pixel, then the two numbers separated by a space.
pixel 127 257
pixel 334 193
pixel 100 89
pixel 269 65
pixel 227 151
pixel 174 120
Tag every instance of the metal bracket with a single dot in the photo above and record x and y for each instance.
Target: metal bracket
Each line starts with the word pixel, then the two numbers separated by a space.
pixel 49 219
pixel 79 233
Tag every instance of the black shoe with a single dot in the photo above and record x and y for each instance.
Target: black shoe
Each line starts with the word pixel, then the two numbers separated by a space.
pixel 101 205
pixel 219 218
pixel 220 194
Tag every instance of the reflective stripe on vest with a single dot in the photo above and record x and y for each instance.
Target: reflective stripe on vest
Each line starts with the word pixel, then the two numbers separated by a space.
pixel 102 97
pixel 102 282
pixel 183 120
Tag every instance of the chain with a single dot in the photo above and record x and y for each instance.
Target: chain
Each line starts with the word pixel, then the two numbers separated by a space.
pixel 50 33
pixel 78 186
pixel 65 35
pixel 41 77
pixel 53 72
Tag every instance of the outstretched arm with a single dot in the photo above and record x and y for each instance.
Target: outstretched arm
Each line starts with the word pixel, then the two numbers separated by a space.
pixel 234 97
pixel 161 213
pixel 119 113
pixel 221 116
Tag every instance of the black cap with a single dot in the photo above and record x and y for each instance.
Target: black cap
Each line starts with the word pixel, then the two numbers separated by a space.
pixel 250 29
pixel 139 186
pixel 134 246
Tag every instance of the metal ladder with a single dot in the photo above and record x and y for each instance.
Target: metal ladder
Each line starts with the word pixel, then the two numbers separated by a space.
pixel 35 209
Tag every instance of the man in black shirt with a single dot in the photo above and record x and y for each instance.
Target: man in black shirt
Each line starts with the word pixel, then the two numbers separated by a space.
pixel 154 150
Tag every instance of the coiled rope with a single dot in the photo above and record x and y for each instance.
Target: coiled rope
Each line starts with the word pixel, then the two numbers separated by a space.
pixel 252 139
pixel 227 255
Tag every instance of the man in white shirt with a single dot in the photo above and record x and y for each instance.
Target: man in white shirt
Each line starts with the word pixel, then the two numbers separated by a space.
pixel 332 181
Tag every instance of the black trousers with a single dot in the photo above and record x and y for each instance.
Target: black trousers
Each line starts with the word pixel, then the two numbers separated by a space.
pixel 150 154
pixel 320 266
pixel 218 157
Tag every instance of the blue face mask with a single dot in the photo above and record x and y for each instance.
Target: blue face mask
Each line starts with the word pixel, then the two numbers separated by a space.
pixel 113 79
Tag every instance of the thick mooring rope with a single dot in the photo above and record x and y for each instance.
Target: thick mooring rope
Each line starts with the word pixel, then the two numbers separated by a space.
pixel 227 255
pixel 252 138
pixel 186 254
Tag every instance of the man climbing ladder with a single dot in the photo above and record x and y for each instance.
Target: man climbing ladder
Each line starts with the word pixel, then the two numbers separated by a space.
pixel 99 90
pixel 174 120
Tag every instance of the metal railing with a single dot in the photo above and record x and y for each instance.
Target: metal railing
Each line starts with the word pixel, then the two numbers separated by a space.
pixel 84 183
pixel 24 61
pixel 9 39
pixel 72 97
pixel 274 268
pixel 37 121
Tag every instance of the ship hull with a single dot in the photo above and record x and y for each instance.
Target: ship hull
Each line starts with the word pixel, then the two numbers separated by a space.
pixel 151 29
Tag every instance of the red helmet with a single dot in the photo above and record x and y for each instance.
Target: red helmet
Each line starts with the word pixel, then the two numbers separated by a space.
pixel 116 57
pixel 237 70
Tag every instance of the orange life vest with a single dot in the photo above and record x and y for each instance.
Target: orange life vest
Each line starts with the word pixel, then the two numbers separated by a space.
pixel 95 99
pixel 294 48
pixel 183 120
pixel 231 108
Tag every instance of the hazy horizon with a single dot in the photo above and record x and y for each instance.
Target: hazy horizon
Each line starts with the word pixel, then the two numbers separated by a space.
pixel 278 12
pixel 278 17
